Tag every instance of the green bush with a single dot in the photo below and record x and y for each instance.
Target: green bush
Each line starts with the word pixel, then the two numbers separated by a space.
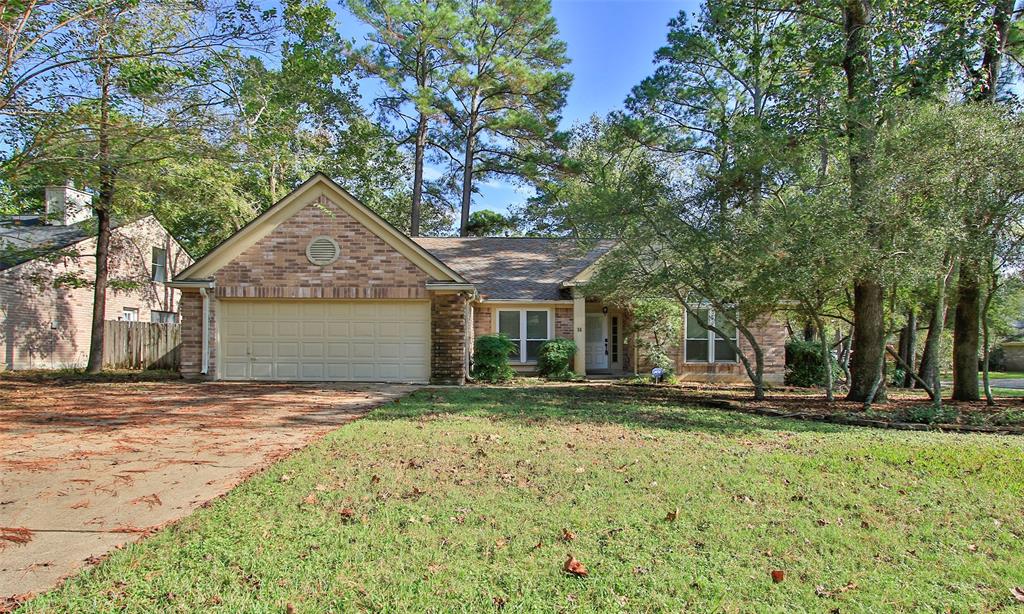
pixel 554 359
pixel 929 414
pixel 490 358
pixel 804 366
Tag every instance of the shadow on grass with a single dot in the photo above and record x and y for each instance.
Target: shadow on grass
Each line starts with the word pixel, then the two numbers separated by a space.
pixel 638 407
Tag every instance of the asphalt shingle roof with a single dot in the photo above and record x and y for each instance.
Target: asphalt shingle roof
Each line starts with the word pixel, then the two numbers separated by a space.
pixel 21 243
pixel 514 268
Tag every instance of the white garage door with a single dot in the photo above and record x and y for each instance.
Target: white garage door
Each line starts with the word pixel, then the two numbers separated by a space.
pixel 325 340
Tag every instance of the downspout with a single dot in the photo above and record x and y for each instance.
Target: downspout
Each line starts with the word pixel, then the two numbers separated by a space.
pixel 206 331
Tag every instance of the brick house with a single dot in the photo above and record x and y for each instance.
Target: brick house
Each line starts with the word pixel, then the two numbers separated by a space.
pixel 320 288
pixel 47 266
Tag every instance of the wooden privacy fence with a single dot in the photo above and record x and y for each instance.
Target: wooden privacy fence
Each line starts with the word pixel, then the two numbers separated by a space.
pixel 141 345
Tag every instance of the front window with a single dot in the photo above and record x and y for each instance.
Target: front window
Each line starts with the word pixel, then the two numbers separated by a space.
pixel 703 345
pixel 528 329
pixel 159 264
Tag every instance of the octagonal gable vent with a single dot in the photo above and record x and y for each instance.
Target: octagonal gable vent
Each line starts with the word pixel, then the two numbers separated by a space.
pixel 323 251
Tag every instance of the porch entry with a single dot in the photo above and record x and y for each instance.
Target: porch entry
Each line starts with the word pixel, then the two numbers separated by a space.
pixel 597 341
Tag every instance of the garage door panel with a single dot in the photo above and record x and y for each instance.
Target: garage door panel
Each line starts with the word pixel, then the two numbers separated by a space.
pixel 325 340
pixel 311 370
pixel 287 328
pixel 263 350
pixel 312 329
pixel 236 369
pixel 338 330
pixel 337 350
pixel 389 350
pixel 262 370
pixel 362 350
pixel 312 349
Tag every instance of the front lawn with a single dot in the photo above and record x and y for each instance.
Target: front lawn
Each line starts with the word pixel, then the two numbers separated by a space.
pixel 472 499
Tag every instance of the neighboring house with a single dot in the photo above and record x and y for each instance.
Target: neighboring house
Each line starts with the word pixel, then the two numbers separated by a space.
pixel 320 288
pixel 47 269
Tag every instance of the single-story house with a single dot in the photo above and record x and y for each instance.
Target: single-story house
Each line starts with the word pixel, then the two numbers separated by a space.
pixel 47 269
pixel 320 288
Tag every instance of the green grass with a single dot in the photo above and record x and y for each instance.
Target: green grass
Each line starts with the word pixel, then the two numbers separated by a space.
pixel 460 498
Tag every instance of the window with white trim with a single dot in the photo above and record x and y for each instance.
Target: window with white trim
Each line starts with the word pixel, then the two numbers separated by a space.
pixel 703 345
pixel 159 264
pixel 528 329
pixel 130 314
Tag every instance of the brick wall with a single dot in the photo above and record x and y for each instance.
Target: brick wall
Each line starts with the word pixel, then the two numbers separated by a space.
pixel 771 334
pixel 192 334
pixel 483 321
pixel 449 314
pixel 48 327
pixel 276 266
pixel 563 323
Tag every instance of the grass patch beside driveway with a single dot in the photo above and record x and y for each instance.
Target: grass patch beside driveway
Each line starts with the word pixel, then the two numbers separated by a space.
pixel 471 499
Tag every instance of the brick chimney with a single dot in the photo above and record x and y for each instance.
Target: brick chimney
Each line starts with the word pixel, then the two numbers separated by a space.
pixel 66 206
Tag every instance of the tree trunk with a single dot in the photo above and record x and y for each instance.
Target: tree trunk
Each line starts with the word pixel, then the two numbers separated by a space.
pixel 967 323
pixel 106 200
pixel 930 360
pixel 965 333
pixel 467 175
pixel 417 180
pixel 910 347
pixel 868 359
pixel 826 352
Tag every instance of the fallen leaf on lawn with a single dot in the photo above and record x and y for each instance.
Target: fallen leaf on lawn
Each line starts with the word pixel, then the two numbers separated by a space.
pixel 538 545
pixel 347 512
pixel 1018 593
pixel 778 575
pixel 673 515
pixel 567 535
pixel 821 591
pixel 285 477
pixel 972 547
pixel 822 522
pixel 574 567
pixel 499 602
pixel 580 469
pixel 375 479
pixel 289 608
pixel 310 499
pixel 501 542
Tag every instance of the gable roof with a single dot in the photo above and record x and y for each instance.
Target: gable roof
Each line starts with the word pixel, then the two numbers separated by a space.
pixel 515 268
pixel 21 243
pixel 297 199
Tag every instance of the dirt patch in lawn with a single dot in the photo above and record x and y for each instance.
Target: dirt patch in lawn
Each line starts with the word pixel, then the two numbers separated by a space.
pixel 904 409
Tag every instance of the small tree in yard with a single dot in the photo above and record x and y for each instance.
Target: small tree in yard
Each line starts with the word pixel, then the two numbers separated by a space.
pixel 656 326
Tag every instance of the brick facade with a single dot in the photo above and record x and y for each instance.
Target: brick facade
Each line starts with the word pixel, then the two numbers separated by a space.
pixel 449 314
pixel 49 327
pixel 276 266
pixel 563 323
pixel 191 352
pixel 771 334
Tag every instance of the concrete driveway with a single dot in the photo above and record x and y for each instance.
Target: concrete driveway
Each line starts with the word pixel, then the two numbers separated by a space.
pixel 87 467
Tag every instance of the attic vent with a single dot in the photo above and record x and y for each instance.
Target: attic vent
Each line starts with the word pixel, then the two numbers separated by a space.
pixel 323 251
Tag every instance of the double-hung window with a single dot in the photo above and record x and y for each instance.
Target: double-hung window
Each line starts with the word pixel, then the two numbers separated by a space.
pixel 159 264
pixel 703 345
pixel 528 329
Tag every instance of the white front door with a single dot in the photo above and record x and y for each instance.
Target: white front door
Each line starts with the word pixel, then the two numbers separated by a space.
pixel 597 341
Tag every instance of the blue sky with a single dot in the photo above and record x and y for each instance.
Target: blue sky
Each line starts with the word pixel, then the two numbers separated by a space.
pixel 611 44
